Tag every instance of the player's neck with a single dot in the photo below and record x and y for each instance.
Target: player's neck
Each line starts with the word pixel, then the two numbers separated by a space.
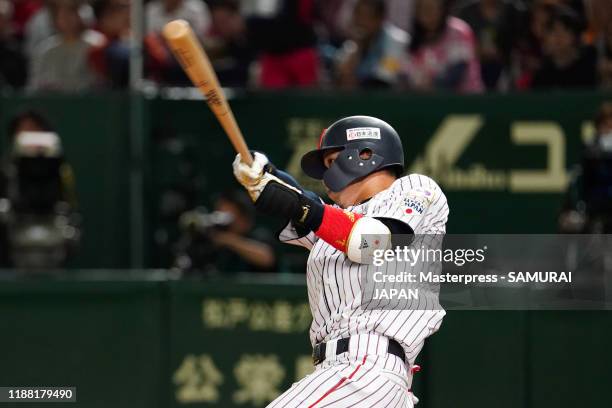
pixel 371 185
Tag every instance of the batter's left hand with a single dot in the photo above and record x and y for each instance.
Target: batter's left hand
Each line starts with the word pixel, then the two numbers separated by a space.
pixel 247 175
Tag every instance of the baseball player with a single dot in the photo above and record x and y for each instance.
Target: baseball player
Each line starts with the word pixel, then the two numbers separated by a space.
pixel 363 358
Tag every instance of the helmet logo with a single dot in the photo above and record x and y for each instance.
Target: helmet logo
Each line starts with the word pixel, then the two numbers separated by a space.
pixel 362 133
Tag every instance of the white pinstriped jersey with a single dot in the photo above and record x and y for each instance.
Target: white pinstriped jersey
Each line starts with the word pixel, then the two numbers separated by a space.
pixel 334 282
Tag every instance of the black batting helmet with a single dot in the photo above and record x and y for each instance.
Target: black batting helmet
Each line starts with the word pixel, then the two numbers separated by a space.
pixel 354 136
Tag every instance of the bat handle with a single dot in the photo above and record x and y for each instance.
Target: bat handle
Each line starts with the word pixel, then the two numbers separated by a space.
pixel 246 157
pixel 228 123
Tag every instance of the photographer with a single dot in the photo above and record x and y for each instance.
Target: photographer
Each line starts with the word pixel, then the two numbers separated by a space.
pixel 587 209
pixel 588 202
pixel 225 240
pixel 26 121
pixel 37 200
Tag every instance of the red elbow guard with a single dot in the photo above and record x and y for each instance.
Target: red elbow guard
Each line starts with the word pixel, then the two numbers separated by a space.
pixel 336 226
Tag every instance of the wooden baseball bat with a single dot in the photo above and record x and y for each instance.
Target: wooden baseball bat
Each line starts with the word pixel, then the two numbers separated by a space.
pixel 188 51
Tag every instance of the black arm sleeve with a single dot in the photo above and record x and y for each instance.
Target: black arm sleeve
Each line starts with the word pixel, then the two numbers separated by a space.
pixel 278 200
pixel 289 179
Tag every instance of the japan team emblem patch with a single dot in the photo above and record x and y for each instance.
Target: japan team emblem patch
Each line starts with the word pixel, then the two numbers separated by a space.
pixel 414 205
pixel 417 200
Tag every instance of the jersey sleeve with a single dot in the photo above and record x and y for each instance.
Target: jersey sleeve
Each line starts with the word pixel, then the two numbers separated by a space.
pixel 291 235
pixel 415 200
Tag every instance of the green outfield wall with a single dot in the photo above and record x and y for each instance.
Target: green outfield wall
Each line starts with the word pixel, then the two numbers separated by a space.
pixel 162 344
pixel 503 160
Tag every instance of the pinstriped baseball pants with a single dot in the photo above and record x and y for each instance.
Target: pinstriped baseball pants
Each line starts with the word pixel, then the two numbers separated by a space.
pixel 364 377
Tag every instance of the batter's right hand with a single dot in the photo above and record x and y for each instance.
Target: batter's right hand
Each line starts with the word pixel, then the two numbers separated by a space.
pixel 247 175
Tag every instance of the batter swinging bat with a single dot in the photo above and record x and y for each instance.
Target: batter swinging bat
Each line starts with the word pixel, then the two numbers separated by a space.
pixel 193 59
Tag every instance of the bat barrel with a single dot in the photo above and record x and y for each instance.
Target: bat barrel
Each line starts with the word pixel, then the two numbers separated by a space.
pixel 188 51
pixel 176 29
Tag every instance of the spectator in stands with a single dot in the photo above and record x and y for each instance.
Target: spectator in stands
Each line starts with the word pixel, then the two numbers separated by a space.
pixel 23 11
pixel 493 23
pixel 61 62
pixel 160 12
pixel 161 65
pixel 111 59
pixel 400 13
pixel 12 62
pixel 577 6
pixel 599 15
pixel 527 53
pixel 373 55
pixel 604 51
pixel 284 35
pixel 228 44
pixel 568 64
pixel 332 15
pixel 442 51
pixel 40 26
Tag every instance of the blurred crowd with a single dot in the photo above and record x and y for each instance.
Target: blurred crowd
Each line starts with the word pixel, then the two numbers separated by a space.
pixel 421 45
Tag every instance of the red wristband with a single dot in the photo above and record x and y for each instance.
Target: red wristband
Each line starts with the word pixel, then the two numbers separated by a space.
pixel 336 226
